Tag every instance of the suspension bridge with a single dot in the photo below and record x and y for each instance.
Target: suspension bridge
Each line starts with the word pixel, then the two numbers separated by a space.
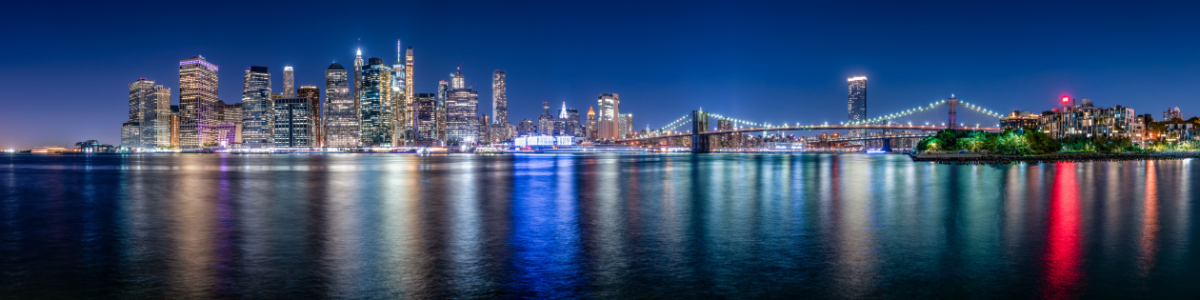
pixel 700 126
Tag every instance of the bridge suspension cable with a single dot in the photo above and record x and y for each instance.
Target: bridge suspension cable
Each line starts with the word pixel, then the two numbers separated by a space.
pixel 677 123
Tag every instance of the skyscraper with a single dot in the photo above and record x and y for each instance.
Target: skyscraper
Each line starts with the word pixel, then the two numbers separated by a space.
pixel 858 103
pixel 289 82
pixel 341 114
pixel 443 92
pixel 545 122
pixel 229 118
pixel 408 74
pixel 258 109
pixel 292 122
pixel 358 65
pixel 499 98
pixel 174 126
pixel 426 116
pixel 591 124
pixel 375 104
pixel 402 113
pixel 150 107
pixel 197 101
pixel 573 123
pixel 462 112
pixel 316 130
pixel 608 120
pixel 626 125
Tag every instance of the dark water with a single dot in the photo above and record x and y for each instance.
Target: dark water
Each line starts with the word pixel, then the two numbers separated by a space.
pixel 684 226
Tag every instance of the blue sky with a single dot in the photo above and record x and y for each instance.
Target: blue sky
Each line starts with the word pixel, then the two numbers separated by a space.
pixel 65 67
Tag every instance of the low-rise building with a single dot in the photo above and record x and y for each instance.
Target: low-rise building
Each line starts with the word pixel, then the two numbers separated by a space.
pixel 1086 120
pixel 1019 119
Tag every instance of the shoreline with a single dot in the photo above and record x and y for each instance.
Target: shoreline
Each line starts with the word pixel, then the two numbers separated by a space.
pixel 977 158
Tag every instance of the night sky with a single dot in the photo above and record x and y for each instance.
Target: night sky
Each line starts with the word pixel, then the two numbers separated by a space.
pixel 65 68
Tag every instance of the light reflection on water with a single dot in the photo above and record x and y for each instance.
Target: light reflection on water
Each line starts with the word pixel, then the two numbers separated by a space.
pixel 603 226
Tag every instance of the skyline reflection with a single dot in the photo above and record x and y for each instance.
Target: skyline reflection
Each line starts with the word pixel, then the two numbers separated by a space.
pixel 603 226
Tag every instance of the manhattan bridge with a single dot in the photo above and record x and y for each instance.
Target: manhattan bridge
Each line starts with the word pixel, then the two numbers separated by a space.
pixel 889 124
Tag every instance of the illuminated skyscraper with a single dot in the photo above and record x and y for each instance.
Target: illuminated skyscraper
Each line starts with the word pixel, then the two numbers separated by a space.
pixel 462 112
pixel 150 107
pixel 408 74
pixel 608 120
pixel 591 124
pixel 316 130
pixel 375 104
pixel 858 102
pixel 197 102
pixel 341 114
pixel 358 65
pixel 426 116
pixel 402 112
pixel 499 98
pixel 229 116
pixel 174 126
pixel 545 122
pixel 292 122
pixel 258 109
pixel 443 92
pixel 626 125
pixel 289 82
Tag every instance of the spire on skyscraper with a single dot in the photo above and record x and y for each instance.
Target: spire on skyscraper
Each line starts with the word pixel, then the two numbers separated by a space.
pixel 562 114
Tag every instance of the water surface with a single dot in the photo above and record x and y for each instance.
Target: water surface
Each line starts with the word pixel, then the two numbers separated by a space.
pixel 360 226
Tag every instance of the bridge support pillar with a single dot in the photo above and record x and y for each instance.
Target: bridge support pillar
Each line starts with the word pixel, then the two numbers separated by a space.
pixel 699 126
pixel 953 103
pixel 887 145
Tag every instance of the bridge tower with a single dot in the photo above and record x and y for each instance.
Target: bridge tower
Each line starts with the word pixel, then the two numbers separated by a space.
pixel 953 103
pixel 700 125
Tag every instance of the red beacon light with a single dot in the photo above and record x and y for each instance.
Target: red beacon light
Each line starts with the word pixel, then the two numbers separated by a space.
pixel 1066 99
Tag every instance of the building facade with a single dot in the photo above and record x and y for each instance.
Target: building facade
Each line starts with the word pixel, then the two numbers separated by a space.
pixel 426 116
pixel 1019 119
pixel 197 102
pixel 462 112
pixel 1172 114
pixel 439 113
pixel 608 118
pixel 857 104
pixel 150 106
pixel 313 94
pixel 1087 121
pixel 293 122
pixel 375 104
pixel 591 124
pixel 230 114
pixel 341 113
pixel 626 125
pixel 258 109
pixel 289 82
pixel 402 109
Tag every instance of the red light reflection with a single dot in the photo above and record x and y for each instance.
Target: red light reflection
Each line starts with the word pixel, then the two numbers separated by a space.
pixel 1063 238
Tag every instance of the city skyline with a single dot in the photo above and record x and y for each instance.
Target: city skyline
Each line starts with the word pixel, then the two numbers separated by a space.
pixel 1043 54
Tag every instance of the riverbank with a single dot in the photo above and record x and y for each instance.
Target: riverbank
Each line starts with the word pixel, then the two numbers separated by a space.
pixel 980 158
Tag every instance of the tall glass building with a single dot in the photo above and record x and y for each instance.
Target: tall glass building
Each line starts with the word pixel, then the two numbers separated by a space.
pixel 258 109
pixel 197 102
pixel 289 82
pixel 341 113
pixel 426 116
pixel 313 94
pixel 499 98
pixel 375 104
pixel 292 122
pixel 443 92
pixel 358 65
pixel 591 124
pixel 462 112
pixel 402 116
pixel 150 107
pixel 858 103
pixel 608 119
